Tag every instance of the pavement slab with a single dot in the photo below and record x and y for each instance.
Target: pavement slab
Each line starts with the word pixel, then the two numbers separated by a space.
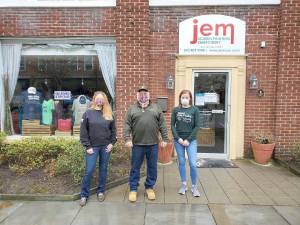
pixel 246 215
pixel 95 213
pixel 290 213
pixel 178 214
pixel 43 213
pixel 7 208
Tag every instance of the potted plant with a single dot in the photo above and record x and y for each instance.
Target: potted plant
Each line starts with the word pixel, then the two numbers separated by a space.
pixel 165 154
pixel 263 146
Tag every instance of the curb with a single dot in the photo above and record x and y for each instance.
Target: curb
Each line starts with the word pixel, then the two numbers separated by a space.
pixel 54 197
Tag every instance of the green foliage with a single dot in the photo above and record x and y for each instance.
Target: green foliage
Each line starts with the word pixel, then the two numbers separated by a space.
pixel 71 161
pixel 36 152
pixel 2 138
pixel 296 153
pixel 56 156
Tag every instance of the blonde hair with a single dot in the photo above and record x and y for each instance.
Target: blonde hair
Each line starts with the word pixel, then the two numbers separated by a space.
pixel 106 109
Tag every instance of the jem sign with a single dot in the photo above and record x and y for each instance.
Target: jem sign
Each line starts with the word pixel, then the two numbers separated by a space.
pixel 212 35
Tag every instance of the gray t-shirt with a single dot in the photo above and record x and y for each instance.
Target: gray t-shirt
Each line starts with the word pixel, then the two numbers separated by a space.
pixel 80 105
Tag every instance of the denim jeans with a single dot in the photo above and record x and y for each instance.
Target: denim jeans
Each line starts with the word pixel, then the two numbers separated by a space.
pixel 192 157
pixel 138 154
pixel 90 164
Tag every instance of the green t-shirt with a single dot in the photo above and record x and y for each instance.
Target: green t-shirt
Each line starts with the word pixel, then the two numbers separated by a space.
pixel 185 123
pixel 47 108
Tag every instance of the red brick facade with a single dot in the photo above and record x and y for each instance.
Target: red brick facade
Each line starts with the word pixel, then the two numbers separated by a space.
pixel 147 42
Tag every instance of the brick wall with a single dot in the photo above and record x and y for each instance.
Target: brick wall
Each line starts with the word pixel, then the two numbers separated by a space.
pixel 288 85
pixel 261 25
pixel 56 22
pixel 147 41
pixel 132 33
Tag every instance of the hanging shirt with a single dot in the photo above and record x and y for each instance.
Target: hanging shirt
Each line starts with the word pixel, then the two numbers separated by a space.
pixel 80 105
pixel 47 108
pixel 31 105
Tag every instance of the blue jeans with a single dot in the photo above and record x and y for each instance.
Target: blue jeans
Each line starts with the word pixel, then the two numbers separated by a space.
pixel 192 156
pixel 137 158
pixel 90 164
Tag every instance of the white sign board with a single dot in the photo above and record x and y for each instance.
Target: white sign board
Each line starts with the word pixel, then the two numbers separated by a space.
pixel 212 35
pixel 62 95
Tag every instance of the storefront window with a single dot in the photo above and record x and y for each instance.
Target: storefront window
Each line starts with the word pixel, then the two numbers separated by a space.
pixel 52 93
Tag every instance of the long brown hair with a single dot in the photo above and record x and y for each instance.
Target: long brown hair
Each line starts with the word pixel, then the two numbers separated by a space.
pixel 186 92
pixel 106 109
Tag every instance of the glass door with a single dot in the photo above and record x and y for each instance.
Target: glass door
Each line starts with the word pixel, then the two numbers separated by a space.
pixel 210 96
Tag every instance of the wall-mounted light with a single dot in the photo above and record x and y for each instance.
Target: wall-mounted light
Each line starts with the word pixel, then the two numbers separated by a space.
pixel 170 82
pixel 253 82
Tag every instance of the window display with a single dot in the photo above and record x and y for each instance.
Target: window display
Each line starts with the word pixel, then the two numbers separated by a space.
pixel 53 92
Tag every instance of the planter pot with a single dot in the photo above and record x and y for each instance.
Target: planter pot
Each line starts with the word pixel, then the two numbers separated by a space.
pixel 262 152
pixel 165 154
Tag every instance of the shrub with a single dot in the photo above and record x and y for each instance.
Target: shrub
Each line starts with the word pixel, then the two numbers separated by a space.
pixel 33 153
pixel 57 156
pixel 71 161
pixel 2 138
pixel 296 153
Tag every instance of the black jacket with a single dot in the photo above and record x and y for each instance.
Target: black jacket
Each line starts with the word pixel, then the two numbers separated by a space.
pixel 95 131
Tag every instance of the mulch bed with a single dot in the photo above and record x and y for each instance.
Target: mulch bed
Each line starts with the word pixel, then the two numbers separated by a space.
pixel 39 182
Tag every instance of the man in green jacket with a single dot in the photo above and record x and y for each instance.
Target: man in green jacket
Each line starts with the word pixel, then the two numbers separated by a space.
pixel 143 123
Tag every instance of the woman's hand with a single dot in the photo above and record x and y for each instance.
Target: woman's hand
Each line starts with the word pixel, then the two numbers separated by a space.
pixel 109 148
pixel 180 141
pixel 186 143
pixel 90 151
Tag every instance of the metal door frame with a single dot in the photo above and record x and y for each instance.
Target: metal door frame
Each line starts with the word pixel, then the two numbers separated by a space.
pixel 228 73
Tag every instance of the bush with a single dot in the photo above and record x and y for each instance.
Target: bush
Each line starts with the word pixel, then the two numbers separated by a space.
pixel 34 153
pixel 71 161
pixel 57 156
pixel 296 153
pixel 2 138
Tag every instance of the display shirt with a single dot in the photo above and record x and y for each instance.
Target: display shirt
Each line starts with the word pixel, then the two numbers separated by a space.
pixel 31 102
pixel 47 108
pixel 80 105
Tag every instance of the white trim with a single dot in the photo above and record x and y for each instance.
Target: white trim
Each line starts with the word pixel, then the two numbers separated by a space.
pixel 57 3
pixel 57 51
pixel 211 2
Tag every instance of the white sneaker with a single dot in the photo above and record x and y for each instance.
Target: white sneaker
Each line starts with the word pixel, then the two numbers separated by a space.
pixel 195 191
pixel 182 189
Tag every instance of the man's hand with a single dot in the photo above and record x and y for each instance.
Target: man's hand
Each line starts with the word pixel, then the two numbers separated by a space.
pixel 109 148
pixel 186 143
pixel 90 151
pixel 163 144
pixel 128 144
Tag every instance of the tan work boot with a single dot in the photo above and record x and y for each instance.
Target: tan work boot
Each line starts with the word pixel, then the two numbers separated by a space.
pixel 150 194
pixel 132 196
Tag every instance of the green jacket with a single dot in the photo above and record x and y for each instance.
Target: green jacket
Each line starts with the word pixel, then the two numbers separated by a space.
pixel 185 123
pixel 142 126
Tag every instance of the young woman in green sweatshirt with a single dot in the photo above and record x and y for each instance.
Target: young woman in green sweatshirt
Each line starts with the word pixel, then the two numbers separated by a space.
pixel 185 125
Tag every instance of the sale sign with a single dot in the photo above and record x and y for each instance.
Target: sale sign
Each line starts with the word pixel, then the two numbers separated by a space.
pixel 212 35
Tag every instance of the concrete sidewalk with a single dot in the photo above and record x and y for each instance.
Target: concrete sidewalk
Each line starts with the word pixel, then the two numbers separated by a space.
pixel 248 195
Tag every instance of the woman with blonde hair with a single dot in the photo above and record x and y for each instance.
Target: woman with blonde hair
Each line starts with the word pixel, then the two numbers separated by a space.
pixel 97 135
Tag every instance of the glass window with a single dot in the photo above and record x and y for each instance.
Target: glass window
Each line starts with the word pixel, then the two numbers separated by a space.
pixel 53 91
